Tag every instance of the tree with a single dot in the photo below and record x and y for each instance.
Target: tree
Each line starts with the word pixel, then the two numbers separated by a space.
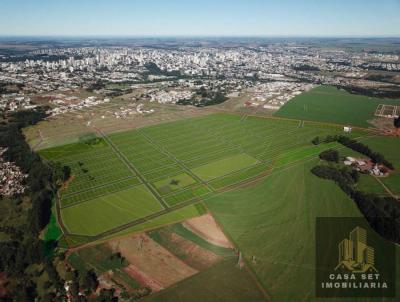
pixel 74 289
pixel 330 155
pixel 107 295
pixel 396 122
pixel 316 140
pixel 60 173
pixel 89 281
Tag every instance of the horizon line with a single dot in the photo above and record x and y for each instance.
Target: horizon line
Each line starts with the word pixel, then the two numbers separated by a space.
pixel 198 36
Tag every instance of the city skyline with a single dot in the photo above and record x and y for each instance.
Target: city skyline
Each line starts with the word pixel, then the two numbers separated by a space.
pixel 177 18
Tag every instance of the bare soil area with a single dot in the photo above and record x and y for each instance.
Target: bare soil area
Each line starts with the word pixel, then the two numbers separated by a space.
pixel 206 228
pixel 150 259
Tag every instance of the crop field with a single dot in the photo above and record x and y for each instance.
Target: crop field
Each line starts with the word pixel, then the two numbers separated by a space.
pixel 328 104
pixel 125 206
pixel 224 166
pixel 130 178
pixel 223 282
pixel 273 223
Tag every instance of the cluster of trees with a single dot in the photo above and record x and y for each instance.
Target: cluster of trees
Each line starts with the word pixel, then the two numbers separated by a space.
pixel 6 88
pixel 305 67
pixel 376 157
pixel 396 122
pixel 99 84
pixel 330 155
pixel 382 213
pixel 343 177
pixel 155 70
pixel 371 92
pixel 24 247
pixel 204 98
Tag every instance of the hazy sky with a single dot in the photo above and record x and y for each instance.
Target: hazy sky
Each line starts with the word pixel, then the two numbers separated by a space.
pixel 201 17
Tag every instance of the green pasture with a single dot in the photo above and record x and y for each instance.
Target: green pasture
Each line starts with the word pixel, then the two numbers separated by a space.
pixel 368 183
pixel 104 213
pixel 328 104
pixel 274 223
pixel 224 282
pixel 224 166
pixel 221 149
pixel 174 183
pixel 166 219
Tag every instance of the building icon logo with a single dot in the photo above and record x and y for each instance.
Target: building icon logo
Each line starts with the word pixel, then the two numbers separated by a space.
pixel 353 260
pixel 355 255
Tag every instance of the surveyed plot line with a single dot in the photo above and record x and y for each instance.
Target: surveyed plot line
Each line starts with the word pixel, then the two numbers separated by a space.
pixel 195 200
pixel 133 169
pixel 181 164
pixel 198 199
pixel 247 266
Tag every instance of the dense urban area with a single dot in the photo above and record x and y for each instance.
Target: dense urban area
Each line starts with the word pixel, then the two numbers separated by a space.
pixel 270 74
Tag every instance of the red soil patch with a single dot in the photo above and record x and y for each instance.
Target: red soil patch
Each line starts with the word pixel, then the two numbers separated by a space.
pixel 191 253
pixel 206 227
pixel 152 259
pixel 142 278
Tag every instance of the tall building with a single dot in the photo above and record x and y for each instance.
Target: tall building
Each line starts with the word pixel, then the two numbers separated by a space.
pixel 369 255
pixel 358 237
pixel 354 253
pixel 345 250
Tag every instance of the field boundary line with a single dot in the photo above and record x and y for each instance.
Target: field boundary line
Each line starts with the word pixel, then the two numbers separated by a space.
pixel 386 188
pixel 195 200
pixel 294 119
pixel 87 200
pixel 132 168
pixel 181 164
pixel 246 265
pixel 99 186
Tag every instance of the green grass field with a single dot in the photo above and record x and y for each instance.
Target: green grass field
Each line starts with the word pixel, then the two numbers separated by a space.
pixel 169 218
pixel 174 183
pixel 103 213
pixel 368 183
pixel 328 104
pixel 169 166
pixel 224 166
pixel 222 282
pixel 272 219
pixel 275 222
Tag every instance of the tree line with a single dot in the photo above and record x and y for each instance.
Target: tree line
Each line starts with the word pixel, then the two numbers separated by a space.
pixel 372 92
pixel 353 144
pixel 382 213
pixel 23 247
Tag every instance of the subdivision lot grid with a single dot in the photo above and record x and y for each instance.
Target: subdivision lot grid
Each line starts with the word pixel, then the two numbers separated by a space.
pixel 95 170
pixel 389 111
pixel 193 143
pixel 177 163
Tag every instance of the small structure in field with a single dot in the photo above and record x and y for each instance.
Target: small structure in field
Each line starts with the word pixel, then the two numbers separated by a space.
pixel 347 129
